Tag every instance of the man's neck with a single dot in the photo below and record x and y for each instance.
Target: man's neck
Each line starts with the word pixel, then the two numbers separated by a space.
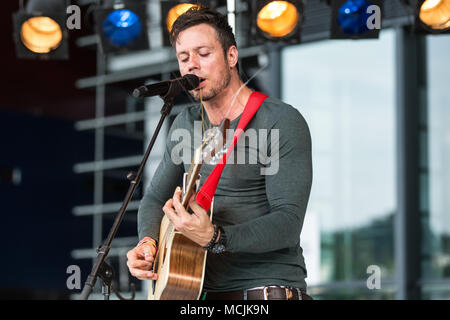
pixel 225 104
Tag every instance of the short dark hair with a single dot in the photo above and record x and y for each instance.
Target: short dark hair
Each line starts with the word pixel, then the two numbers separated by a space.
pixel 197 15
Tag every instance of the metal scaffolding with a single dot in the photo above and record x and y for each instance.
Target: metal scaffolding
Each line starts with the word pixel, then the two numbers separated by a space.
pixel 160 62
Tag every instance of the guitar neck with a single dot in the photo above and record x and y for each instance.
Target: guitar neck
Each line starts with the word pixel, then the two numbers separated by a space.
pixel 191 180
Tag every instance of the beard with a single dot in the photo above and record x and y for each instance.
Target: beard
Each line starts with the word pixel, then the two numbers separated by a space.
pixel 215 89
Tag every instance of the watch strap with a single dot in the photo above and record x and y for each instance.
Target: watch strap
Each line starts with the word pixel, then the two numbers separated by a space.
pixel 213 239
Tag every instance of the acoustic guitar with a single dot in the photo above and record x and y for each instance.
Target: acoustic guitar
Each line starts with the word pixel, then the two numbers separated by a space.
pixel 180 262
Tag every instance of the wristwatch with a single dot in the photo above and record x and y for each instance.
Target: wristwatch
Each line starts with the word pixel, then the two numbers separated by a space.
pixel 219 247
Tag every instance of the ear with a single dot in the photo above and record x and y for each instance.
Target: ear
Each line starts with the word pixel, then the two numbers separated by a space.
pixel 232 56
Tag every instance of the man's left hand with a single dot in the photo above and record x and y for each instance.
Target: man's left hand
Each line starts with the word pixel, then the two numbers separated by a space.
pixel 196 226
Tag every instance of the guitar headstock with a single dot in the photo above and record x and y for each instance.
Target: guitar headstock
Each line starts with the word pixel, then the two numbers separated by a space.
pixel 213 143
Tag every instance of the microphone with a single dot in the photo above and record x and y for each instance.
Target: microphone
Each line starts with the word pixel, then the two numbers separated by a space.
pixel 172 87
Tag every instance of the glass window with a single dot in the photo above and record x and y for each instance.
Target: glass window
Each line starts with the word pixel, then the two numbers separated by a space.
pixel 346 91
pixel 352 291
pixel 436 217
pixel 436 291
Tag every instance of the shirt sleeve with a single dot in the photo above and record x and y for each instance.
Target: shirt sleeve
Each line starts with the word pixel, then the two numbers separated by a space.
pixel 287 191
pixel 167 177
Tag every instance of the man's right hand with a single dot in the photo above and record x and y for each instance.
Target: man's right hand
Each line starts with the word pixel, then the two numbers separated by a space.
pixel 140 261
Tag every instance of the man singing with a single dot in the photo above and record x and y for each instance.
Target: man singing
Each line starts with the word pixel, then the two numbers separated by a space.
pixel 258 212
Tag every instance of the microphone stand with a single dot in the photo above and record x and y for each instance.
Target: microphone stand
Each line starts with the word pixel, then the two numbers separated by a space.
pixel 101 268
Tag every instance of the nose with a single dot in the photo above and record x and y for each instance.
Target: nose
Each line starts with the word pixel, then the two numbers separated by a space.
pixel 193 63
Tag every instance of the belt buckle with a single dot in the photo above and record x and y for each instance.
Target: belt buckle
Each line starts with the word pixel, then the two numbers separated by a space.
pixel 266 294
pixel 288 293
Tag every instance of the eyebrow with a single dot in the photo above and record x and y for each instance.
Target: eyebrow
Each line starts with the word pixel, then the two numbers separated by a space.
pixel 196 49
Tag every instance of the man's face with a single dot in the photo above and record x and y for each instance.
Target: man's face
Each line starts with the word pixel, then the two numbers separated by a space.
pixel 199 52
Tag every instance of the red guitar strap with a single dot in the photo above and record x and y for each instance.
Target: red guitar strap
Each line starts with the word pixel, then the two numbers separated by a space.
pixel 206 193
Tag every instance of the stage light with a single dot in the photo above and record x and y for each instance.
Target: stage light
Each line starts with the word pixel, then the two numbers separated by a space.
pixel 41 34
pixel 39 30
pixel 355 19
pixel 435 15
pixel 171 10
pixel 177 11
pixel 122 27
pixel 352 17
pixel 278 20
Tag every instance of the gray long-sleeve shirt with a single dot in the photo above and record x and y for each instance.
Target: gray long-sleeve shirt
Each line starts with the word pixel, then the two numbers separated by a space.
pixel 260 200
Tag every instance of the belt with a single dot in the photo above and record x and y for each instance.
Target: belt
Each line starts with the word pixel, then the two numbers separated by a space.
pixel 264 293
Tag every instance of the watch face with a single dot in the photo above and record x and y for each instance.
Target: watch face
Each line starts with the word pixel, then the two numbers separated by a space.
pixel 218 248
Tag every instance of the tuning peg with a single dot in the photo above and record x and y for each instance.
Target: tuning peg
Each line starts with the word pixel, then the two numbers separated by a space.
pixel 131 175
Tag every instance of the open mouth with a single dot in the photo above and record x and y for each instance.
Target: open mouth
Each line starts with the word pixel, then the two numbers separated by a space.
pixel 201 83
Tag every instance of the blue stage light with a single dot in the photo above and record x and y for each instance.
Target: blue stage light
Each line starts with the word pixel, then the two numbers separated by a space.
pixel 122 27
pixel 353 16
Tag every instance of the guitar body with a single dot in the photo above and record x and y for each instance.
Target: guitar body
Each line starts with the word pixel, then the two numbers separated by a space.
pixel 180 266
